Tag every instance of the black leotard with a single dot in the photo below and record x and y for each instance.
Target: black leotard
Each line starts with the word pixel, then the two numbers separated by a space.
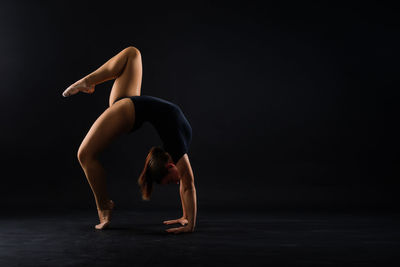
pixel 167 118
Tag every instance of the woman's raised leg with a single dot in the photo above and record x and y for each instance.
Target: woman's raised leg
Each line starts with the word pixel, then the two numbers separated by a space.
pixel 125 68
pixel 115 120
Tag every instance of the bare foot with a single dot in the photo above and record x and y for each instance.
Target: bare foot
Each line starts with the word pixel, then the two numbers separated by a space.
pixel 105 216
pixel 79 86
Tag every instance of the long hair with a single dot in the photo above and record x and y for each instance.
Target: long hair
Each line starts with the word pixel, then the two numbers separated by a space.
pixel 154 170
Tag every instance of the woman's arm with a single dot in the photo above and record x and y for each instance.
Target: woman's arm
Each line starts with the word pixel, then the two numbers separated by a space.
pixel 183 203
pixel 189 201
pixel 187 192
pixel 188 196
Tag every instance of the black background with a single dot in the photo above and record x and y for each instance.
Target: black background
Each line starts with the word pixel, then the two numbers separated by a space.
pixel 291 105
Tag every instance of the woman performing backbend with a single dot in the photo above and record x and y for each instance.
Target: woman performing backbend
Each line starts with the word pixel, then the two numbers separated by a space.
pixel 127 111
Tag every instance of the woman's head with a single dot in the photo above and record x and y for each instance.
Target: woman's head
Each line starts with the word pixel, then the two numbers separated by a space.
pixel 158 168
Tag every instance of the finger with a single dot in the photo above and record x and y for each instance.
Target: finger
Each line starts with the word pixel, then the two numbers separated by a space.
pixel 171 221
pixel 173 230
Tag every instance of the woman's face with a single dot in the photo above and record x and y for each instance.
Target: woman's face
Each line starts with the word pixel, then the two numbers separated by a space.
pixel 172 176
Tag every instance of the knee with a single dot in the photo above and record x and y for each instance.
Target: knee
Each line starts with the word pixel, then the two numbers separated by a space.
pixel 84 156
pixel 132 51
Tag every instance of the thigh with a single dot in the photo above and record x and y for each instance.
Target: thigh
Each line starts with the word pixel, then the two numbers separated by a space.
pixel 115 120
pixel 129 81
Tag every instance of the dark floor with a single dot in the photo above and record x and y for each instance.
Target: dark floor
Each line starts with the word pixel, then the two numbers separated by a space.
pixel 221 239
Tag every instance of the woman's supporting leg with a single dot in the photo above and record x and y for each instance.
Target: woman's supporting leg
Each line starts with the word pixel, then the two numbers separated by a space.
pixel 114 121
pixel 125 68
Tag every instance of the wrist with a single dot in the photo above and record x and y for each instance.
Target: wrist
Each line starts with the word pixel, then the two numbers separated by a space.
pixel 190 227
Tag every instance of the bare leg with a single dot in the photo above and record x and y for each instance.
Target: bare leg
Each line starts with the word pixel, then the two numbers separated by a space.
pixel 125 67
pixel 114 121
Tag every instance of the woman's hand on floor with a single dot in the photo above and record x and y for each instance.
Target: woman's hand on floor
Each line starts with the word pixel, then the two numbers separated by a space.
pixel 182 221
pixel 178 230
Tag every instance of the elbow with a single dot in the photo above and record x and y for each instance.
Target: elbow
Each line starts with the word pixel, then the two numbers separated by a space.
pixel 187 182
pixel 189 187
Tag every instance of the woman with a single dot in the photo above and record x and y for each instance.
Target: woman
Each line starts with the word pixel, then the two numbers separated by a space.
pixel 126 112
